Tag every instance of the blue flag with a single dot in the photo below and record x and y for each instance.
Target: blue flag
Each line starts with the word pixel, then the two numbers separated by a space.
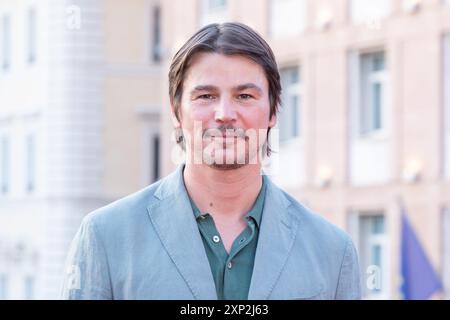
pixel 419 279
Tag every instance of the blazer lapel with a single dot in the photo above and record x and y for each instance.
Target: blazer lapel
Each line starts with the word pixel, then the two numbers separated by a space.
pixel 276 239
pixel 175 224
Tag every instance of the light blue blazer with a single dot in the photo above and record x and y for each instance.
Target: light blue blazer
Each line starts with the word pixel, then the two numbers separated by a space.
pixel 148 246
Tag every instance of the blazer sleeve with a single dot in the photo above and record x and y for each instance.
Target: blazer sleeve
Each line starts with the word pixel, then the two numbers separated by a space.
pixel 349 283
pixel 86 274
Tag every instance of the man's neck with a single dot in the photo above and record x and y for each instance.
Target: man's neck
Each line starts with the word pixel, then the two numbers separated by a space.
pixel 228 195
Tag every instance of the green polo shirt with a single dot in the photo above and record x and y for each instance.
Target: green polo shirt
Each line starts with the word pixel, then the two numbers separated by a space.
pixel 232 272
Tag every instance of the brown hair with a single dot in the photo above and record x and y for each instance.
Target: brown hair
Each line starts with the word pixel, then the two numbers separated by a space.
pixel 229 38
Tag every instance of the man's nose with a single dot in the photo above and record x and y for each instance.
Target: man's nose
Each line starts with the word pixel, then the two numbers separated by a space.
pixel 225 111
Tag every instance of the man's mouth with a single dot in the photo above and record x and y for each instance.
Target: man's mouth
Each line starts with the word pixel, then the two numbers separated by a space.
pixel 228 138
pixel 229 134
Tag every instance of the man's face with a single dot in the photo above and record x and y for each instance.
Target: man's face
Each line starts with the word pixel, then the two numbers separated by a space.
pixel 225 108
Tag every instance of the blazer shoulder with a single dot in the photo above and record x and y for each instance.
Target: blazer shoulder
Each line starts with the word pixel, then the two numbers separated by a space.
pixel 125 210
pixel 316 226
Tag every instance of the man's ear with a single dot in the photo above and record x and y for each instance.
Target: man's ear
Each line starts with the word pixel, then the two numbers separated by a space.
pixel 176 123
pixel 273 121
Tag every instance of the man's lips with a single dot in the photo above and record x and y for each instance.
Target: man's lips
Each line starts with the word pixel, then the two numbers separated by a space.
pixel 226 136
pixel 228 139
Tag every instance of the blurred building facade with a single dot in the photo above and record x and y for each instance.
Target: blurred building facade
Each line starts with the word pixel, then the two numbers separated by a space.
pixel 79 118
pixel 84 119
pixel 365 118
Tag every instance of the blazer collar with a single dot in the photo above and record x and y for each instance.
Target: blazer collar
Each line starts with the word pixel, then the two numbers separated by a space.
pixel 276 238
pixel 175 225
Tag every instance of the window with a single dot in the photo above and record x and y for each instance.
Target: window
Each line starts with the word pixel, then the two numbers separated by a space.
pixel 370 148
pixel 156 34
pixel 154 150
pixel 373 254
pixel 31 36
pixel 369 11
pixel 372 93
pixel 446 99
pixel 214 11
pixel 6 42
pixel 446 252
pixel 3 286
pixel 290 112
pixel 29 285
pixel 151 147
pixel 369 232
pixel 446 64
pixel 5 164
pixel 287 17
pixel 216 4
pixel 30 152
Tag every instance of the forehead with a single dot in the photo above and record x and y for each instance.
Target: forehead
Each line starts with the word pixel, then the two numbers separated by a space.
pixel 224 71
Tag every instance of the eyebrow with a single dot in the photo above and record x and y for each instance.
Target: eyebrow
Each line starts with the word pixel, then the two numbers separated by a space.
pixel 246 86
pixel 204 88
pixel 240 87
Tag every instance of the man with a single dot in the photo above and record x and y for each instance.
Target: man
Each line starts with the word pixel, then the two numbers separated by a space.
pixel 215 228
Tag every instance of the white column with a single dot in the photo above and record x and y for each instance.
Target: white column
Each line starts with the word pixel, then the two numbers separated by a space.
pixel 74 128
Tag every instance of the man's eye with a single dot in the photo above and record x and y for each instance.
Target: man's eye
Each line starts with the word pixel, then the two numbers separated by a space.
pixel 245 96
pixel 206 97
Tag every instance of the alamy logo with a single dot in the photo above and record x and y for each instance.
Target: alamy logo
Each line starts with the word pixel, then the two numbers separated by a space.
pixel 374 279
pixel 73 21
pixel 73 277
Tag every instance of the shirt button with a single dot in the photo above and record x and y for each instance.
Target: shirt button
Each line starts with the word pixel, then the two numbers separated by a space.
pixel 203 217
pixel 216 239
pixel 242 240
pixel 229 265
